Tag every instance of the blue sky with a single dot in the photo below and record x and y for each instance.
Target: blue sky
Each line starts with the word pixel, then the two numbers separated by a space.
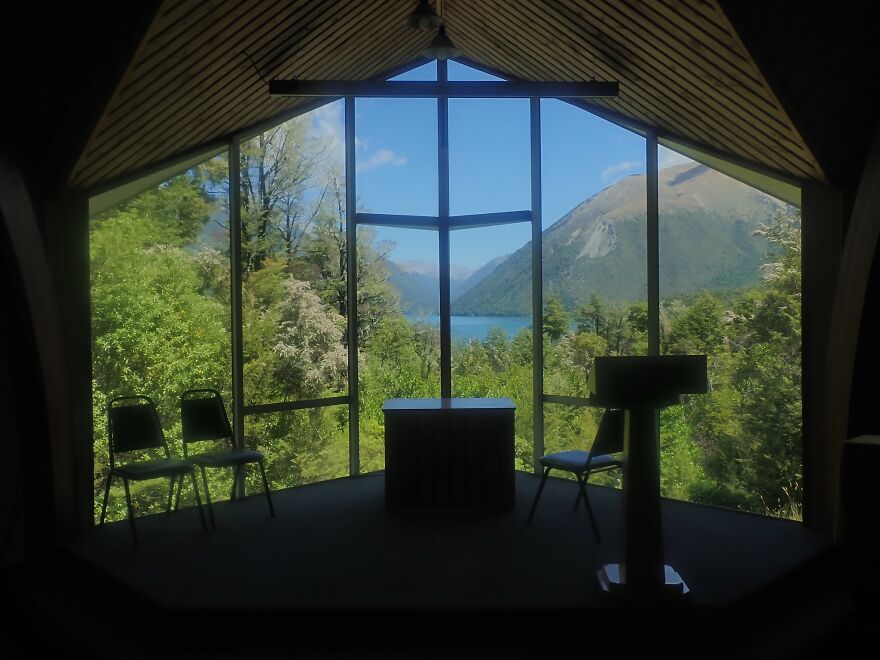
pixel 396 152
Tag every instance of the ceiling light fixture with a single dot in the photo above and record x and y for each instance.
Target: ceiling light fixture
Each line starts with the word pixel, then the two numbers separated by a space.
pixel 441 48
pixel 424 17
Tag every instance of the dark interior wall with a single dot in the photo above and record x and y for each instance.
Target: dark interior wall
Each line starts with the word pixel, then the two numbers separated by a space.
pixel 822 61
pixel 864 410
pixel 61 61
pixel 25 432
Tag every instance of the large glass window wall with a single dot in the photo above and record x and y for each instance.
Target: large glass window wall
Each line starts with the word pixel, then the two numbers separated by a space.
pixel 451 212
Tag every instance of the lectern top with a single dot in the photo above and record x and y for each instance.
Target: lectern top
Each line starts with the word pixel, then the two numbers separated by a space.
pixel 448 404
pixel 646 380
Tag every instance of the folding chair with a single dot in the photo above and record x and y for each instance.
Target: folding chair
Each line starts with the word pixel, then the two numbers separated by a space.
pixel 203 417
pixel 608 441
pixel 133 425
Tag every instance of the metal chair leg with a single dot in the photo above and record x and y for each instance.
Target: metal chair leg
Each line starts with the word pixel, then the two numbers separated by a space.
pixel 577 499
pixel 192 476
pixel 170 494
pixel 266 488
pixel 179 489
pixel 106 497
pixel 583 492
pixel 538 494
pixel 130 512
pixel 208 497
pixel 236 471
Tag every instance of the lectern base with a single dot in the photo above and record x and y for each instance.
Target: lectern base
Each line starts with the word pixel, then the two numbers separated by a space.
pixel 673 588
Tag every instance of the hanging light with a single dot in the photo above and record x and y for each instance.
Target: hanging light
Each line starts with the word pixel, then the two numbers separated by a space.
pixel 441 48
pixel 424 17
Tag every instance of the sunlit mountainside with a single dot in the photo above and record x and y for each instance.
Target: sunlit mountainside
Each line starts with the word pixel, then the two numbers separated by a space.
pixel 707 222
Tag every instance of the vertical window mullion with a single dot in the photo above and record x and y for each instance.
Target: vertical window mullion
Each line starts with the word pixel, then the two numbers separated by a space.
pixel 234 155
pixel 443 242
pixel 653 242
pixel 354 465
pixel 537 285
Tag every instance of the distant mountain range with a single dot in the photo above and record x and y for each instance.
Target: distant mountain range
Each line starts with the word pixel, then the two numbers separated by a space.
pixel 417 282
pixel 707 242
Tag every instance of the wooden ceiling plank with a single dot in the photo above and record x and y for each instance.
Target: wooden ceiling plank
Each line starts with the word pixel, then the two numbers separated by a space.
pixel 687 14
pixel 677 117
pixel 261 100
pixel 488 54
pixel 170 60
pixel 180 77
pixel 137 122
pixel 652 115
pixel 201 122
pixel 118 136
pixel 716 111
pixel 172 28
pixel 103 119
pixel 752 123
pixel 236 124
pixel 818 172
pixel 197 106
pixel 313 56
pixel 708 61
pixel 783 130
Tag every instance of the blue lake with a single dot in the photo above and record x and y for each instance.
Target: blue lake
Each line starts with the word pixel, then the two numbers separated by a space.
pixel 477 327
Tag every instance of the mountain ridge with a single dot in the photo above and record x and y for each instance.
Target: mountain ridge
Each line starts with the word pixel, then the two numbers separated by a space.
pixel 599 246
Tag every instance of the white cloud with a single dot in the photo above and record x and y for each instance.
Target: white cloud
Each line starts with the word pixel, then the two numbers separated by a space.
pixel 379 158
pixel 612 172
pixel 327 127
pixel 670 158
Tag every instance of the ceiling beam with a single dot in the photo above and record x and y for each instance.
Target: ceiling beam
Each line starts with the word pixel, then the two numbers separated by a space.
pixel 431 89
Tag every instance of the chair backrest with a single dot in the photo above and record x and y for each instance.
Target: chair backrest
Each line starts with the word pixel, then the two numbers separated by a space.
pixel 203 416
pixel 609 436
pixel 132 426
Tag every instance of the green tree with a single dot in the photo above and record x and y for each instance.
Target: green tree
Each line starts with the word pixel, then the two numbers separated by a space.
pixel 701 328
pixel 556 319
pixel 581 350
pixel 592 316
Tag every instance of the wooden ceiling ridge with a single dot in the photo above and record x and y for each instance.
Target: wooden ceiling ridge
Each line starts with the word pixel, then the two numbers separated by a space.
pixel 196 78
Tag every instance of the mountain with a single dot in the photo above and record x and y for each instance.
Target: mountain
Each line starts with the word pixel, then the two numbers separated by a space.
pixel 707 221
pixel 417 282
pixel 477 276
pixel 416 285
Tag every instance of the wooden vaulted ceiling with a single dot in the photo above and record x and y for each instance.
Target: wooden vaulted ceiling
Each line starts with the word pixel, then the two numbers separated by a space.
pixel 682 70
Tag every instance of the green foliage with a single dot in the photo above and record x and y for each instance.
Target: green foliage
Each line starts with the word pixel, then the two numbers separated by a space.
pixel 700 329
pixel 556 319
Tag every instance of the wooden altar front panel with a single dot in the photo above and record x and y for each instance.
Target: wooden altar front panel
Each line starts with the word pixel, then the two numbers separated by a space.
pixel 454 454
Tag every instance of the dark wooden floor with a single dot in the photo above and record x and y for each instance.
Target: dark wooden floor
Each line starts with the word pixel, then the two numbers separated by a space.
pixel 392 583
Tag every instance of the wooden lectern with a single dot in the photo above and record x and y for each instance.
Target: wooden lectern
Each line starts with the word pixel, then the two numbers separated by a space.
pixel 641 386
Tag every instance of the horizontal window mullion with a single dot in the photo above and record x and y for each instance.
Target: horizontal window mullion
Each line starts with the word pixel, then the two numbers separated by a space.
pixel 263 408
pixel 568 400
pixel 429 222
pixel 488 219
